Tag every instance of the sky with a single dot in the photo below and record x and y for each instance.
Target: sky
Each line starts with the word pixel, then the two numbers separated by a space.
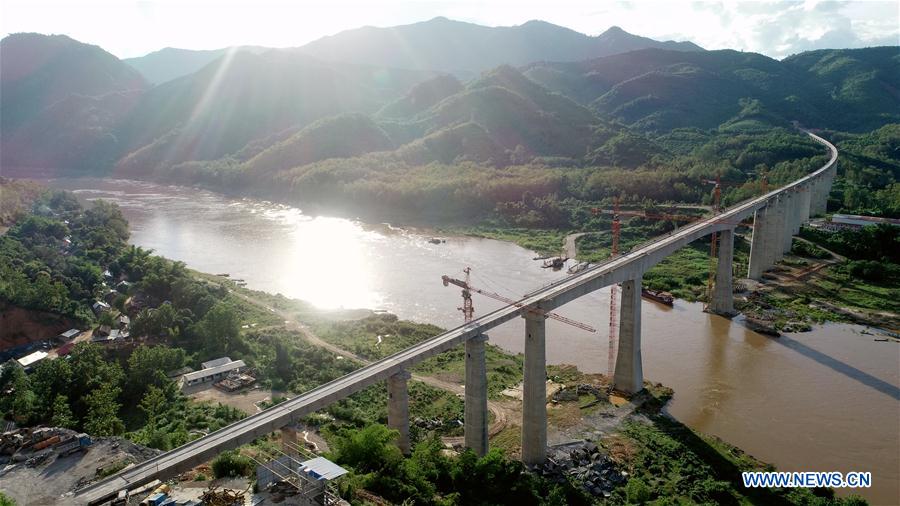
pixel 129 28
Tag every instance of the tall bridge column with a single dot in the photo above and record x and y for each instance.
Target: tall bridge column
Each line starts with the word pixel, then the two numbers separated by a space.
pixel 816 207
pixel 797 222
pixel 805 203
pixel 723 292
pixel 476 412
pixel 761 243
pixel 534 390
pixel 790 213
pixel 398 408
pixel 629 375
pixel 780 229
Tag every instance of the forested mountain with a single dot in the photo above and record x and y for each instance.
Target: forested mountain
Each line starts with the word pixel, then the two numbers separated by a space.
pixel 658 90
pixel 245 96
pixel 284 123
pixel 62 101
pixel 467 48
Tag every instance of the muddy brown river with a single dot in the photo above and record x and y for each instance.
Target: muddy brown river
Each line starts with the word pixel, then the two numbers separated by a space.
pixel 816 401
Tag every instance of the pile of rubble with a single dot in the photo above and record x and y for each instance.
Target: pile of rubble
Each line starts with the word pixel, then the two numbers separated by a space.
pixel 573 393
pixel 223 497
pixel 583 464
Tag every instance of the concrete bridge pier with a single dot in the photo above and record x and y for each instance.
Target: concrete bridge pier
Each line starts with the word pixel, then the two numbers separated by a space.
pixel 722 302
pixel 534 390
pixel 761 243
pixel 790 215
pixel 779 229
pixel 798 211
pixel 398 408
pixel 629 375
pixel 476 410
pixel 805 203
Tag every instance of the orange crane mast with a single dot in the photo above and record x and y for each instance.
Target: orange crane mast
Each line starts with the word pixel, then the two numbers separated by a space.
pixel 468 309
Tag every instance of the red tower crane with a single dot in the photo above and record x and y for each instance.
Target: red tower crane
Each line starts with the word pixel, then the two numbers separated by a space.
pixel 468 309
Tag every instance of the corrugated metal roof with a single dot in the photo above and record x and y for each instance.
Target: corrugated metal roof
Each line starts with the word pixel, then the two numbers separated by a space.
pixel 32 358
pixel 323 468
pixel 215 363
pixel 70 333
pixel 204 373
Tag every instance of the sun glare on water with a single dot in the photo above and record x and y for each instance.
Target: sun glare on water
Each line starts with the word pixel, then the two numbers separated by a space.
pixel 328 263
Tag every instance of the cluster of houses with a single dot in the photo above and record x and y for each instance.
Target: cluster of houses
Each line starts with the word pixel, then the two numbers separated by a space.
pixel 224 373
pixel 29 361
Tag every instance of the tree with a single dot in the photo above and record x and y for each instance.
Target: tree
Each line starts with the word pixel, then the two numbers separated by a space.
pixel 231 464
pixel 154 405
pixel 370 449
pixel 147 367
pixel 103 412
pixel 50 379
pixel 62 413
pixel 219 329
pixel 6 501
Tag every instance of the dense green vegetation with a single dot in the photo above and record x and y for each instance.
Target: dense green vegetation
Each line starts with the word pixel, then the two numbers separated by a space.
pixel 186 319
pixel 431 477
pixel 875 242
pixel 869 168
pixel 50 260
pixel 672 464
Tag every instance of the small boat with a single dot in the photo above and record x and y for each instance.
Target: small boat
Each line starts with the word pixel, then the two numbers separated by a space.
pixel 436 240
pixel 658 296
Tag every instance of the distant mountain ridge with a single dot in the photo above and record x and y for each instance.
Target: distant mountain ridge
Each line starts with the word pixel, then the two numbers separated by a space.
pixel 467 48
pixel 61 101
pixel 170 63
pixel 439 44
pixel 73 106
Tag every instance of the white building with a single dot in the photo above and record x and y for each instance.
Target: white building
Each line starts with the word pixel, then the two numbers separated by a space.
pixel 32 359
pixel 214 373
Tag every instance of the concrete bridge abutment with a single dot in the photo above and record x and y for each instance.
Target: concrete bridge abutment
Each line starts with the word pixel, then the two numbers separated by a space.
pixel 476 410
pixel 534 390
pixel 398 408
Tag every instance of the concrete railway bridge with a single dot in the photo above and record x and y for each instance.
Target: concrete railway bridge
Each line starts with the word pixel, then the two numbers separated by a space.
pixel 777 216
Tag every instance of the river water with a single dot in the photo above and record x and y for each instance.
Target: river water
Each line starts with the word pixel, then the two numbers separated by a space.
pixel 816 401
